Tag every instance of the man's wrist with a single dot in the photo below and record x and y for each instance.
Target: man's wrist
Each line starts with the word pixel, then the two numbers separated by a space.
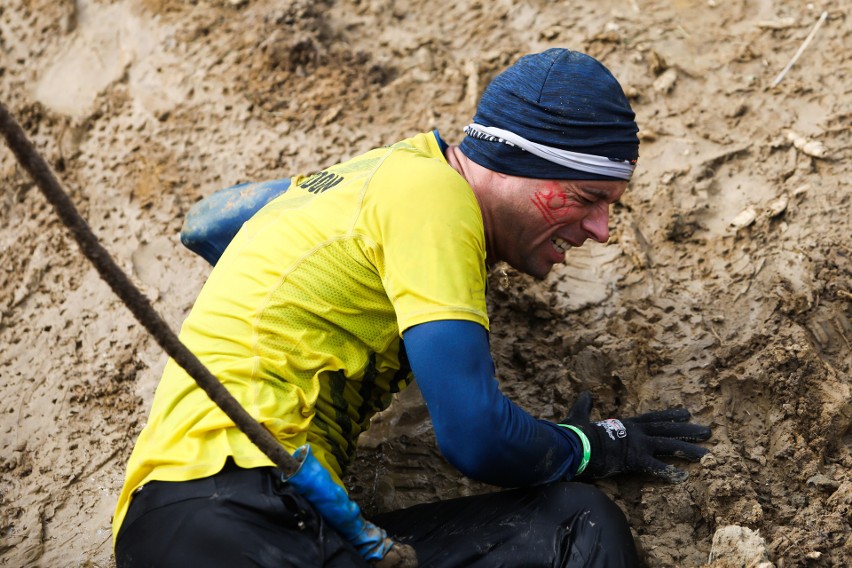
pixel 587 447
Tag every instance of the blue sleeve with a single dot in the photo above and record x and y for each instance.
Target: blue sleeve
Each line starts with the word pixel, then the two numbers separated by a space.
pixel 480 431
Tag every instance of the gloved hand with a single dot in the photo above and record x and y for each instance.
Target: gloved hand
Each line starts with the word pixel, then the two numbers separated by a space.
pixel 633 444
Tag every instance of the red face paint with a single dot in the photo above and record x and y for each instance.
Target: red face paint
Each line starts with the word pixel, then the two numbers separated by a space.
pixel 553 203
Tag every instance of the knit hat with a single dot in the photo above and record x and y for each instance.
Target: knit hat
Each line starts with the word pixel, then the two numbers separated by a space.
pixel 559 114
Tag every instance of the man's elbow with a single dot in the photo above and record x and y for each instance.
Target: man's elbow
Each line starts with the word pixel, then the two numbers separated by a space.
pixel 473 452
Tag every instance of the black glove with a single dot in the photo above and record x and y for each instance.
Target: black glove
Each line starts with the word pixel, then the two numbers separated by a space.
pixel 633 444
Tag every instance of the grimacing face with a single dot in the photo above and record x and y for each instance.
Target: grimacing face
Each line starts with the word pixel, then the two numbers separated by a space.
pixel 554 215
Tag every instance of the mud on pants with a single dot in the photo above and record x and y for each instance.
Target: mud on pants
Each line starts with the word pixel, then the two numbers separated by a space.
pixel 248 517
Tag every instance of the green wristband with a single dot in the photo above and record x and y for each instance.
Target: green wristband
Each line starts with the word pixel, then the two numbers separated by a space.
pixel 587 447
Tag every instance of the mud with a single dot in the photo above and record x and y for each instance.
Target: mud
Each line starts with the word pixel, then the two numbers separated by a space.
pixel 725 287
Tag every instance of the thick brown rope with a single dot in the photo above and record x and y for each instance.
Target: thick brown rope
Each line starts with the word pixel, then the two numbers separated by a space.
pixel 399 555
pixel 133 298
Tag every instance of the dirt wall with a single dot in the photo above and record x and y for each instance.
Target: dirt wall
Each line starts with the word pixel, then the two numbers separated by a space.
pixel 725 287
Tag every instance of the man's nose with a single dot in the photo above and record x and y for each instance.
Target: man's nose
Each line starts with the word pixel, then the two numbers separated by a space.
pixel 597 223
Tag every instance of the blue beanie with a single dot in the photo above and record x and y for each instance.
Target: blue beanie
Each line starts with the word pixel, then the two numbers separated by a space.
pixel 560 99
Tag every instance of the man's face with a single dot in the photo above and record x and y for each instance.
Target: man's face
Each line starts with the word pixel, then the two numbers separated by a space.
pixel 552 216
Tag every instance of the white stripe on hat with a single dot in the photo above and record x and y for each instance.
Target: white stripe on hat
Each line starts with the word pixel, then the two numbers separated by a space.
pixel 611 167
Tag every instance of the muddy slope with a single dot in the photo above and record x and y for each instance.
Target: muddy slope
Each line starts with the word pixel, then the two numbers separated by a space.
pixel 726 285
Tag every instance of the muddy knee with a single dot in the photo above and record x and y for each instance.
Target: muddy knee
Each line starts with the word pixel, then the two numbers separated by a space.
pixel 592 529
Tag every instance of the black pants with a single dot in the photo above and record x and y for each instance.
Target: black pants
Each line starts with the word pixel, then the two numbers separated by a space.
pixel 247 517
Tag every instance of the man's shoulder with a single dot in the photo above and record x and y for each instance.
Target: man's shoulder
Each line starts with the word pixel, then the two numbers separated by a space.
pixel 420 168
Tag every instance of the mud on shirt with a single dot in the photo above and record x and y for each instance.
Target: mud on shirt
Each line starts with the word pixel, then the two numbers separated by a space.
pixel 302 316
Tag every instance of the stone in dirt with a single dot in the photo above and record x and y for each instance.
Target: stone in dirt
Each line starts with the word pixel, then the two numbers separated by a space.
pixel 145 106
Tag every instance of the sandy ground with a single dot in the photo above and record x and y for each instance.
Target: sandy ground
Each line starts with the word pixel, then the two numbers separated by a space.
pixel 726 285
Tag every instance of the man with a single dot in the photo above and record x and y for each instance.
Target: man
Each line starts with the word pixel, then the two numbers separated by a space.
pixel 332 294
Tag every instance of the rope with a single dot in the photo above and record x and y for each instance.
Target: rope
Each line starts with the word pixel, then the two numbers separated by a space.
pixel 134 299
pixel 396 555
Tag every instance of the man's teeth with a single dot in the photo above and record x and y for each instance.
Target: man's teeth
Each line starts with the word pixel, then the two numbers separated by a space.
pixel 560 244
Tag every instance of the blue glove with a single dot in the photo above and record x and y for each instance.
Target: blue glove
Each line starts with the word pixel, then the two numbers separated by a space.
pixel 213 222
